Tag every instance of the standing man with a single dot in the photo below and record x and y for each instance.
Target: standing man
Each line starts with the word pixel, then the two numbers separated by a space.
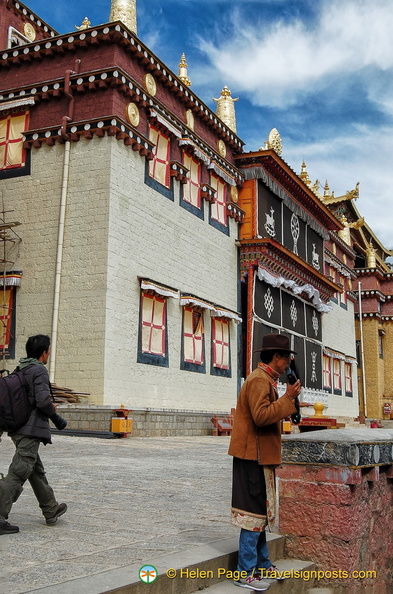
pixel 26 463
pixel 256 449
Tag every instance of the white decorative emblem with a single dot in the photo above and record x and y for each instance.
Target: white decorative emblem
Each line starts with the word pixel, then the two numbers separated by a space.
pixel 315 258
pixel 269 303
pixel 315 323
pixel 293 313
pixel 295 230
pixel 270 224
pixel 314 373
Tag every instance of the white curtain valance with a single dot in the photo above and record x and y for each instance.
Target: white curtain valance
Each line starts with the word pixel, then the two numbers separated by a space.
pixel 17 103
pixel 279 281
pixel 220 312
pixel 168 125
pixel 13 279
pixel 189 300
pixel 159 289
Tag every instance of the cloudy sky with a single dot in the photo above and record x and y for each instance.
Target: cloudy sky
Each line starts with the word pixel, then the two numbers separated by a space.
pixel 320 71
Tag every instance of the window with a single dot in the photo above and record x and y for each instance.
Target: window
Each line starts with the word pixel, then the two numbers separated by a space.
pixel 193 340
pixel 153 342
pixel 159 166
pixel 7 321
pixel 348 379
pixel 343 296
pixel 327 373
pixel 337 376
pixel 218 212
pixel 12 153
pixel 220 364
pixel 192 189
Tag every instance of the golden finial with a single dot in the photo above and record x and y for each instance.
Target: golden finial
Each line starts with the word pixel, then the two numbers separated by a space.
pixel 371 256
pixel 124 11
pixel 326 192
pixel 274 141
pixel 226 108
pixel 183 74
pixel 85 24
pixel 304 175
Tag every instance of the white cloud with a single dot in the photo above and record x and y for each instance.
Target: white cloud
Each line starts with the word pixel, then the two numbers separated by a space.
pixel 281 61
pixel 365 157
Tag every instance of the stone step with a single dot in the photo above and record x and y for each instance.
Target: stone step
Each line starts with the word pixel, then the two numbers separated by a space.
pixel 292 585
pixel 194 569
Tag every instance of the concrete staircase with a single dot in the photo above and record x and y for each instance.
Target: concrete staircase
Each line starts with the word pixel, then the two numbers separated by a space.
pixel 291 585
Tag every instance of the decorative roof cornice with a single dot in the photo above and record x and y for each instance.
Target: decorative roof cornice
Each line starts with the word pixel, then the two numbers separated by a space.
pixel 110 126
pixel 20 8
pixel 117 34
pixel 290 182
pixel 281 261
pixel 98 79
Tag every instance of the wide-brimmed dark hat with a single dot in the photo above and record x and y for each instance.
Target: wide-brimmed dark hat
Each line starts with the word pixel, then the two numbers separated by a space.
pixel 276 342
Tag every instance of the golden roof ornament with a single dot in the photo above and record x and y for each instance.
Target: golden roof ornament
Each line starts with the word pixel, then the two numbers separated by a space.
pixel 273 142
pixel 85 24
pixel 345 234
pixel 226 108
pixel 183 74
pixel 371 256
pixel 124 11
pixel 304 175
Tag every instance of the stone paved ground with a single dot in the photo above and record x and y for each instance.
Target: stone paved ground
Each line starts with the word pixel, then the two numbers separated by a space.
pixel 129 500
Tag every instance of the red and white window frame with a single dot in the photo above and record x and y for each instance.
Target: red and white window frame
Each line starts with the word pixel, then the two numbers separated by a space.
pixel 159 166
pixel 327 372
pixel 193 336
pixel 218 208
pixel 12 153
pixel 192 187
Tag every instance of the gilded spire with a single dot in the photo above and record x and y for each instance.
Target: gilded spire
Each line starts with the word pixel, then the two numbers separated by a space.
pixel 124 11
pixel 183 74
pixel 304 175
pixel 226 108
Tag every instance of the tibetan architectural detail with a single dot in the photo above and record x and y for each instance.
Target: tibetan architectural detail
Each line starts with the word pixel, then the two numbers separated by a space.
pixel 124 11
pixel 304 175
pixel 274 141
pixel 85 25
pixel 345 233
pixel 226 108
pixel 183 74
pixel 371 256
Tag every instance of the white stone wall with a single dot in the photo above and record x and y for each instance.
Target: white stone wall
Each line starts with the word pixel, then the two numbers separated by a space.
pixel 117 228
pixel 338 331
pixel 150 236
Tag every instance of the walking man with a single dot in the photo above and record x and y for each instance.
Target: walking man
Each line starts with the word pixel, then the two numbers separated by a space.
pixel 256 449
pixel 26 463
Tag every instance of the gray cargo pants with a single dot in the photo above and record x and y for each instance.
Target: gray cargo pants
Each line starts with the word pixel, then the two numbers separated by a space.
pixel 26 465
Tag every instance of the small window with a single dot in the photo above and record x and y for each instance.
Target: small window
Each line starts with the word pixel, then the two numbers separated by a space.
pixel 337 376
pixel 218 212
pixel 12 153
pixel 193 340
pixel 153 340
pixel 348 379
pixel 192 189
pixel 220 362
pixel 327 373
pixel 7 321
pixel 159 166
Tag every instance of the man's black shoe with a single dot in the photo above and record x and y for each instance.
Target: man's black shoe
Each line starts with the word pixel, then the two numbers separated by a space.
pixel 7 528
pixel 62 508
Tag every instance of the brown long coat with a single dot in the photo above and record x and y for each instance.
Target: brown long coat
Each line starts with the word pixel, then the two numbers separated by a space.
pixel 256 433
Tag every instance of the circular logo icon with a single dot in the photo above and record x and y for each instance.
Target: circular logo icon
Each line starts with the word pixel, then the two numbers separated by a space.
pixel 148 574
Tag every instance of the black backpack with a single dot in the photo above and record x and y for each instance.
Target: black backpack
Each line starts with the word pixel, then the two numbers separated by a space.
pixel 15 406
